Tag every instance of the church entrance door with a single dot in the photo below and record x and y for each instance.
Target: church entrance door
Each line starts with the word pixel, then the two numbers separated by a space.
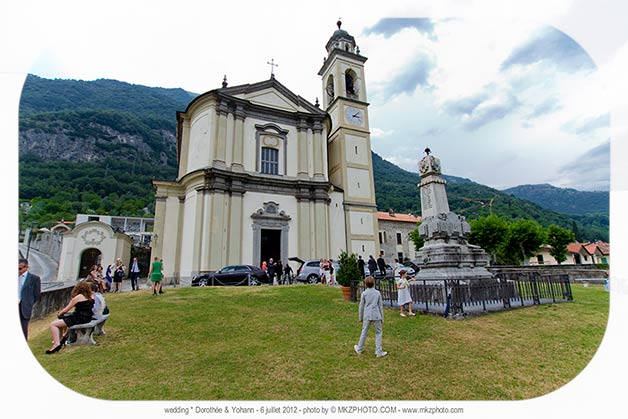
pixel 270 246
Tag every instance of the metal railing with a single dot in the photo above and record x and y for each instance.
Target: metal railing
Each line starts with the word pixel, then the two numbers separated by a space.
pixel 464 297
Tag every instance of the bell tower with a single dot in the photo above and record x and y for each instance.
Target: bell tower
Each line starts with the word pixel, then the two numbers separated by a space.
pixel 349 142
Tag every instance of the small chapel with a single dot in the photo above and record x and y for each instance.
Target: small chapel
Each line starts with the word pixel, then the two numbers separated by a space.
pixel 263 173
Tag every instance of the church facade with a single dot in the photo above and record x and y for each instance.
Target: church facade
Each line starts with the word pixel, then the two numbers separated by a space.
pixel 263 173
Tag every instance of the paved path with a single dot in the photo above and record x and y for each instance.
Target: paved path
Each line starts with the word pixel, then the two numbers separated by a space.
pixel 41 264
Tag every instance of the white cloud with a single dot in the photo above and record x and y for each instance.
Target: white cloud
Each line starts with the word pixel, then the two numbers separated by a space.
pixel 378 133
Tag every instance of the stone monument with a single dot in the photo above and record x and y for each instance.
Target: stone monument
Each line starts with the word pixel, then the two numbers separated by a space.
pixel 445 255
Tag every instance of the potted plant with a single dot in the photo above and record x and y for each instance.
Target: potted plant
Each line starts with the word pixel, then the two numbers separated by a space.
pixel 348 272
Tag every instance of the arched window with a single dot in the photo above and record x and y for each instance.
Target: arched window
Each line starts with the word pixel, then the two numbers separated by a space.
pixel 351 84
pixel 330 88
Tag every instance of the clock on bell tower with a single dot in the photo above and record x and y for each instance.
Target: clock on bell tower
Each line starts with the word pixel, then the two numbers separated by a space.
pixel 349 142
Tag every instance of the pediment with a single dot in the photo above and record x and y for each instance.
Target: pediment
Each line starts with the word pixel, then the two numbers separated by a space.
pixel 272 94
pixel 272 99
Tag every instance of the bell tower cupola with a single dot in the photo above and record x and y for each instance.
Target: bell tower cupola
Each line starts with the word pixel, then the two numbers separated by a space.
pixel 341 40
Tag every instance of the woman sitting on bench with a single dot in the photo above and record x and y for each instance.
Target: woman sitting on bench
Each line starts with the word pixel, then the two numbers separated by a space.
pixel 83 304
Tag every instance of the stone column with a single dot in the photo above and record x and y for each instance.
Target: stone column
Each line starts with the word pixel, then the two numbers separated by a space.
pixel 185 146
pixel 177 258
pixel 238 140
pixel 217 233
pixel 235 233
pixel 432 188
pixel 201 234
pixel 303 234
pixel 302 170
pixel 319 150
pixel 220 139
pixel 160 217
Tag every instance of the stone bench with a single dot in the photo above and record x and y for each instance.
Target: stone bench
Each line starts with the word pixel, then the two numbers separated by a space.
pixel 82 334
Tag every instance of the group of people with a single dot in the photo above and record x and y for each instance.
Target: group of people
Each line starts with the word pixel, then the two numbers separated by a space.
pixel 277 272
pixel 327 272
pixel 375 267
pixel 111 279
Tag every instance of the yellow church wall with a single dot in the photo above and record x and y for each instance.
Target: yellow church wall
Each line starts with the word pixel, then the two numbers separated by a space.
pixel 356 149
pixel 200 150
pixel 359 183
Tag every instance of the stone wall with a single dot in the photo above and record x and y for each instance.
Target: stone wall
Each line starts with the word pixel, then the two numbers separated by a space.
pixel 49 244
pixel 52 300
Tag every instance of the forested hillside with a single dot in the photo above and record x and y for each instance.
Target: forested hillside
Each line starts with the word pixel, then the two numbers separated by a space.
pixel 94 146
pixel 567 200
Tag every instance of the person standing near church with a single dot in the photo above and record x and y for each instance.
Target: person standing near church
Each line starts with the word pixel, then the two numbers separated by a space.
pixel 361 265
pixel 118 274
pixel 372 264
pixel 270 269
pixel 381 264
pixel 156 275
pixel 134 274
pixel 28 293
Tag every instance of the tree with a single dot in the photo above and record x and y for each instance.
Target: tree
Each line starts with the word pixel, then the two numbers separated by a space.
pixel 490 233
pixel 416 238
pixel 349 270
pixel 524 238
pixel 559 238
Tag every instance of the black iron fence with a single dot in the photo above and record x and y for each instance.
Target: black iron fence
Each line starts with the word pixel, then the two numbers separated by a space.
pixel 464 297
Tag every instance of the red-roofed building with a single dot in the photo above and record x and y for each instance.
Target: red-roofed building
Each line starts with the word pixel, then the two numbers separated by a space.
pixel 393 235
pixel 577 254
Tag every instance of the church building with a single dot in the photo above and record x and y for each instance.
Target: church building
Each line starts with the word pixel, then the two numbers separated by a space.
pixel 263 173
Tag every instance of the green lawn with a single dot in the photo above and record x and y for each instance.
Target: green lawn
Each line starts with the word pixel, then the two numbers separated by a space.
pixel 296 343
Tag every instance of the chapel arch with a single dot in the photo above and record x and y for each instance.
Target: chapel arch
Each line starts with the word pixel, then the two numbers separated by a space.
pixel 89 257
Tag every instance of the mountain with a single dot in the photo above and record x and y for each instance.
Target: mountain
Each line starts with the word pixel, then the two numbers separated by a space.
pixel 94 146
pixel 566 200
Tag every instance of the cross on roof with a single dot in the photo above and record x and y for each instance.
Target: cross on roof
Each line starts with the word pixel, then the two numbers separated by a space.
pixel 272 67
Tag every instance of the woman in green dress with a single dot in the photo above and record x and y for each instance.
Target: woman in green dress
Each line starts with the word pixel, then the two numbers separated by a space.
pixel 155 274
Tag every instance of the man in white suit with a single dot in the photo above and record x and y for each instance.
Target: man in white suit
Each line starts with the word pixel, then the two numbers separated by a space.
pixel 371 311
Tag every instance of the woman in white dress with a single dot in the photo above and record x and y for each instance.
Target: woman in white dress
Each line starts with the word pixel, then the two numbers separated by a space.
pixel 403 293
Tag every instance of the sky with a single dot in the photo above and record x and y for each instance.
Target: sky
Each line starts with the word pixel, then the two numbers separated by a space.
pixel 502 100
pixel 503 92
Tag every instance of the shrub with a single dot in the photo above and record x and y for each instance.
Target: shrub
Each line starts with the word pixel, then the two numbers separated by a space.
pixel 349 270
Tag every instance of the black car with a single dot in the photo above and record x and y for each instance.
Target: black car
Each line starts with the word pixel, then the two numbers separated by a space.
pixel 232 275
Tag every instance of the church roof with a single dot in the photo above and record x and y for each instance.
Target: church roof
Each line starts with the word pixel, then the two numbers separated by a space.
pixel 391 216
pixel 248 92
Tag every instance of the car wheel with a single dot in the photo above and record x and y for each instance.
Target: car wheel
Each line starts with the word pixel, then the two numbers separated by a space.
pixel 202 282
pixel 312 279
pixel 253 281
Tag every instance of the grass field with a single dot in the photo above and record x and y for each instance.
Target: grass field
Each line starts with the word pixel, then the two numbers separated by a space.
pixel 296 343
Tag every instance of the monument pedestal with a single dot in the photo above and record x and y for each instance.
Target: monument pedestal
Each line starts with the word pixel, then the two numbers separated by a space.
pixel 446 255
